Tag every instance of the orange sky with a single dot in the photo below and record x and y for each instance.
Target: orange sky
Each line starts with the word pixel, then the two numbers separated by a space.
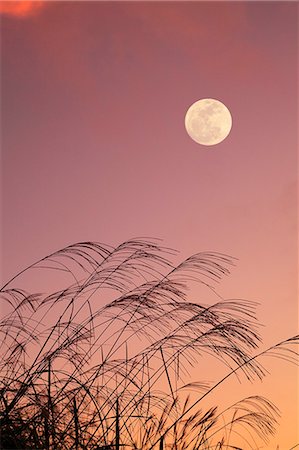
pixel 20 8
pixel 94 146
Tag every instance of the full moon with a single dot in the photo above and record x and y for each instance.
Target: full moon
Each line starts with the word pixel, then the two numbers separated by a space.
pixel 208 121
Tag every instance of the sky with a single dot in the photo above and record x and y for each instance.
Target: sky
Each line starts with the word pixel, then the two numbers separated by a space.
pixel 94 147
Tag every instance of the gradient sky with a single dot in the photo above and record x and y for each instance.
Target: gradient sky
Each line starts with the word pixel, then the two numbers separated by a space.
pixel 94 146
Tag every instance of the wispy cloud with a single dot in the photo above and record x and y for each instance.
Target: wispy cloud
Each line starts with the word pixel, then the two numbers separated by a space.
pixel 20 9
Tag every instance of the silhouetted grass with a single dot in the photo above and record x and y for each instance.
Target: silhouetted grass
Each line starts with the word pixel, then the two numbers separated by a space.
pixel 101 362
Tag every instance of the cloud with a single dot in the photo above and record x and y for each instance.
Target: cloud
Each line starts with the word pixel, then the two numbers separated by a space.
pixel 20 9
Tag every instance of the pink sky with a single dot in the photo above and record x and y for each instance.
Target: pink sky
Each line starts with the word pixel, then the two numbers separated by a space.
pixel 94 146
